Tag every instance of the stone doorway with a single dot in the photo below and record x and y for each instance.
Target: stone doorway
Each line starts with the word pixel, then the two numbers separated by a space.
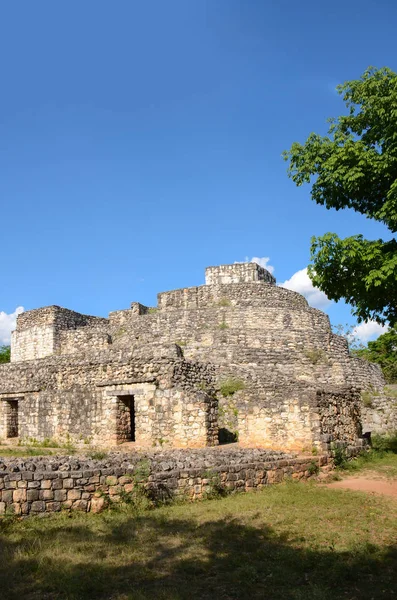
pixel 125 419
pixel 11 418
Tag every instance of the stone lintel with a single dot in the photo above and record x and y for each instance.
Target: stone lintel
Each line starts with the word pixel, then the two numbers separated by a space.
pixel 131 392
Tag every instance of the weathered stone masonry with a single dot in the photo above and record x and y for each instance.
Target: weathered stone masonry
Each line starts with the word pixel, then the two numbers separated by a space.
pixel 159 376
pixel 37 485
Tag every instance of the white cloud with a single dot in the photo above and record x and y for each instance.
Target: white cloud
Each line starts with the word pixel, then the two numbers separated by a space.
pixel 367 331
pixel 300 282
pixel 7 324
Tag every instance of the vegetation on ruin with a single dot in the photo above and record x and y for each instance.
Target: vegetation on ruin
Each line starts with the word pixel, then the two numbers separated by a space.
pixel 294 540
pixel 383 351
pixel 366 398
pixel 224 302
pixel 228 387
pixel 5 354
pixel 315 355
pixel 382 457
pixel 65 444
pixel 355 166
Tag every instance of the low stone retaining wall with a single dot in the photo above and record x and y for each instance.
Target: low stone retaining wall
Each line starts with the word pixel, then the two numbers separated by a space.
pixel 50 484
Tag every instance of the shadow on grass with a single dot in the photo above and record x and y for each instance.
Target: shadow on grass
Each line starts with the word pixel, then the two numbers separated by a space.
pixel 163 558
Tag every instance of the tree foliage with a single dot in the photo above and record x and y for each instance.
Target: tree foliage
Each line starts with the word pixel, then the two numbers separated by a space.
pixel 5 354
pixel 384 352
pixel 355 166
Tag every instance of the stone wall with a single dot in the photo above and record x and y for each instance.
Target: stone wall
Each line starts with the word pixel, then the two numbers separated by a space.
pixel 84 339
pixel 238 294
pixel 340 416
pixel 237 273
pixel 379 413
pixel 37 332
pixel 32 486
pixel 67 398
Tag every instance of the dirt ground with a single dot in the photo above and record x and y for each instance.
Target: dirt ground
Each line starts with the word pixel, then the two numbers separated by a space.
pixel 369 481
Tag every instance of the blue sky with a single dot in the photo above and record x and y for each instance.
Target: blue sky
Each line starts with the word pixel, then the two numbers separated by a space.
pixel 141 141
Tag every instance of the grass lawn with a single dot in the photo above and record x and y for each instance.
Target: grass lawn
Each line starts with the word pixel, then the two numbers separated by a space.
pixel 297 541
pixel 384 464
pixel 19 452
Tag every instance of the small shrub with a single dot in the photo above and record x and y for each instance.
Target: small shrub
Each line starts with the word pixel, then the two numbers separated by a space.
pixel 391 391
pixel 152 310
pixel 214 489
pixel 119 332
pixel 224 302
pixel 49 443
pixel 315 356
pixel 34 443
pixel 141 471
pixel 366 398
pixel 313 468
pixel 160 442
pixel 339 455
pixel 228 387
pixel 384 443
pixel 68 445
pixel 223 325
pixel 97 455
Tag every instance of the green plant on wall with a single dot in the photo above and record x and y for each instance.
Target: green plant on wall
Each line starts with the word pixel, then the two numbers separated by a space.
pixel 316 355
pixel 119 332
pixel 366 398
pixel 230 386
pixel 313 468
pixel 224 302
pixel 214 488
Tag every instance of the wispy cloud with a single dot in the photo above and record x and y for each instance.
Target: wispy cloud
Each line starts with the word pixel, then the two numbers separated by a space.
pixel 7 324
pixel 301 283
pixel 368 331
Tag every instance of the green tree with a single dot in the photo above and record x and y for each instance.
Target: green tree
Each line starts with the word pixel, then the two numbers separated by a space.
pixel 5 354
pixel 384 352
pixel 355 166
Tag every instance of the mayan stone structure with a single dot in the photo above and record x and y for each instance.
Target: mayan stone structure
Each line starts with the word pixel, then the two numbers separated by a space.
pixel 238 358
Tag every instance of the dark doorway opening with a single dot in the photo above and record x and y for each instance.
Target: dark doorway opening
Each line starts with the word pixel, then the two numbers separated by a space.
pixel 125 419
pixel 225 436
pixel 12 418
